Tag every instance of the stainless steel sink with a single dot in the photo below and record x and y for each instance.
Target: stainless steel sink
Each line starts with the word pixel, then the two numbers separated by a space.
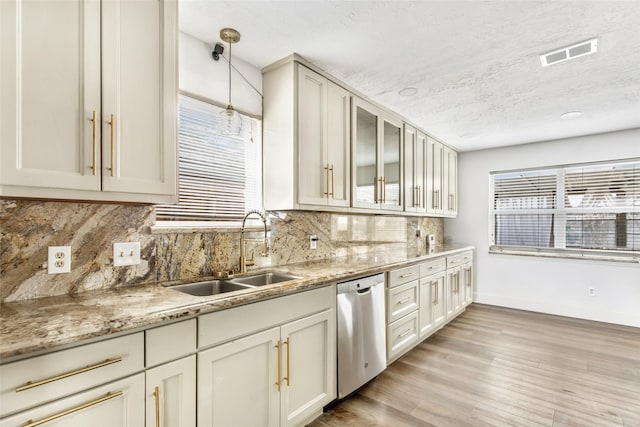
pixel 211 287
pixel 264 279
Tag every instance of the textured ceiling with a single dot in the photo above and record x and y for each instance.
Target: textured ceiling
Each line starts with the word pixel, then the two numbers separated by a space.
pixel 475 63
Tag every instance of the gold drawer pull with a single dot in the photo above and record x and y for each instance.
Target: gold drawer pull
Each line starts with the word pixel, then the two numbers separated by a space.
pixel 104 398
pixel 403 300
pixel 326 168
pixel 332 180
pixel 405 333
pixel 406 275
pixel 288 377
pixel 112 122
pixel 279 363
pixel 30 384
pixel 94 139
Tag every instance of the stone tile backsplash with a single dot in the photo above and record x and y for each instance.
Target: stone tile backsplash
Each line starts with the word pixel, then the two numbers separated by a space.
pixel 28 228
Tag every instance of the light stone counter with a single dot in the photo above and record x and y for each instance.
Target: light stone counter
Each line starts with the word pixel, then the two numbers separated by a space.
pixel 35 326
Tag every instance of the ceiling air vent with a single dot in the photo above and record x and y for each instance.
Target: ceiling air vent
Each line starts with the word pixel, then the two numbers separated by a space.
pixel 564 54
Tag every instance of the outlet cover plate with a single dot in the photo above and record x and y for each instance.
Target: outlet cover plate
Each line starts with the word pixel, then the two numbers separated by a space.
pixel 59 259
pixel 127 253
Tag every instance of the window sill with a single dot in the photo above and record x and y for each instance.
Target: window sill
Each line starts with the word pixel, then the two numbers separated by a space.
pixel 212 227
pixel 591 255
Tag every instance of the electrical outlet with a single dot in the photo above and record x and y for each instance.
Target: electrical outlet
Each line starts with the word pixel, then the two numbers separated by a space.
pixel 126 253
pixel 59 259
pixel 313 242
pixel 591 291
pixel 419 233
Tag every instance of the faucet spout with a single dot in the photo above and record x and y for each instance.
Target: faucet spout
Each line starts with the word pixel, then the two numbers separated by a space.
pixel 243 249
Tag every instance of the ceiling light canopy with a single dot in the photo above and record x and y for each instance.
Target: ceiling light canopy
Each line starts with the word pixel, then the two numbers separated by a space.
pixel 569 52
pixel 571 115
pixel 408 91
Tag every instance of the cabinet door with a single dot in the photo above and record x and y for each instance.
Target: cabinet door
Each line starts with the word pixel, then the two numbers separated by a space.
pixel 420 171
pixel 139 90
pixel 50 85
pixel 171 394
pixel 117 404
pixel 435 158
pixel 237 382
pixel 454 288
pixel 467 274
pixel 410 186
pixel 439 301
pixel 366 178
pixel 308 366
pixel 430 307
pixel 313 173
pixel 339 145
pixel 390 153
pixel 450 185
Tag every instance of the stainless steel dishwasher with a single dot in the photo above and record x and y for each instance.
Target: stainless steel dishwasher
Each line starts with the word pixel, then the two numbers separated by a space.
pixel 361 332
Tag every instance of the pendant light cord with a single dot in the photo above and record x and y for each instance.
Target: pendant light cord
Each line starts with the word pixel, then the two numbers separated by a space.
pixel 230 72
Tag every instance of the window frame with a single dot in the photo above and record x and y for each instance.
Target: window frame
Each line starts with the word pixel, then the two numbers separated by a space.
pixel 216 224
pixel 560 213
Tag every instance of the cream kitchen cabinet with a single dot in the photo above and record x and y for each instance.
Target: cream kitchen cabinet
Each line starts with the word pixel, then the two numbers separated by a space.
pixel 467 275
pixel 450 183
pixel 432 303
pixel 307 125
pixel 171 375
pixel 377 158
pixel 98 384
pixel 402 310
pixel 415 188
pixel 453 292
pixel 88 105
pixel 279 376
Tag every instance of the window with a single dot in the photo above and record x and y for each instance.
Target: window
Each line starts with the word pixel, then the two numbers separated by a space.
pixel 588 210
pixel 219 176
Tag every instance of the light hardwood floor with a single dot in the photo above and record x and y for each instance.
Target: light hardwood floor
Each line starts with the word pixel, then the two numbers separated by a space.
pixel 502 367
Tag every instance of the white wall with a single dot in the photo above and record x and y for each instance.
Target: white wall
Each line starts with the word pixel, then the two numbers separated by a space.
pixel 549 285
pixel 201 75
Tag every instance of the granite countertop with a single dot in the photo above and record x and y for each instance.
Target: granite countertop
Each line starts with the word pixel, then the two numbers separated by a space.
pixel 38 325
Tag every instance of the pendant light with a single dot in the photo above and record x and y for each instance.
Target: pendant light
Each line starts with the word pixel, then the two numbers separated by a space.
pixel 230 119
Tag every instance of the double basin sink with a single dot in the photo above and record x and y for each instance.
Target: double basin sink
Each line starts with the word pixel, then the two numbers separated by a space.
pixel 214 287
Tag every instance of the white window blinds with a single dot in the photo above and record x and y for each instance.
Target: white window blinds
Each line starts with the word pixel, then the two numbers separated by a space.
pixel 219 176
pixel 578 207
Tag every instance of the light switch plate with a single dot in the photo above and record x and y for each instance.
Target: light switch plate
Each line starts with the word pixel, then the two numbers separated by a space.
pixel 127 253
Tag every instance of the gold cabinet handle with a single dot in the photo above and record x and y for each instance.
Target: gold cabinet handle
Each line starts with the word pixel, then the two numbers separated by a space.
pixel 419 195
pixel 32 384
pixel 435 301
pixel 279 363
pixel 332 180
pixel 156 395
pixel 94 139
pixel 326 170
pixel 384 190
pixel 407 275
pixel 112 122
pixel 376 187
pixel 104 398
pixel 405 333
pixel 403 300
pixel 288 377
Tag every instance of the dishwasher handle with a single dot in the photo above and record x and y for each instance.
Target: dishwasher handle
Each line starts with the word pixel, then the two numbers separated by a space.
pixel 364 291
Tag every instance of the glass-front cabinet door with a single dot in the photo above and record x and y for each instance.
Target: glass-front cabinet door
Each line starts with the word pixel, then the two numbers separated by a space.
pixel 391 155
pixel 365 155
pixel 377 158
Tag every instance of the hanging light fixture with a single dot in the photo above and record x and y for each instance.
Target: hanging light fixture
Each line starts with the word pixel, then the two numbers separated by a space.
pixel 230 119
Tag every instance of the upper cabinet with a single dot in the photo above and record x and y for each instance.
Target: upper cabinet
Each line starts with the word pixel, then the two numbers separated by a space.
pixel 306 149
pixel 326 148
pixel 377 158
pixel 89 95
pixel 415 178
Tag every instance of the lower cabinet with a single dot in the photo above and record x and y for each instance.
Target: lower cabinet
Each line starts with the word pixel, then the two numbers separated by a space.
pixel 171 394
pixel 279 377
pixel 455 292
pixel 432 303
pixel 467 275
pixel 117 404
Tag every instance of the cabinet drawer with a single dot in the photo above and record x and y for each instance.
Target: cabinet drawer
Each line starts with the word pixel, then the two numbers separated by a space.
pixel 170 342
pixel 402 275
pixel 433 266
pixel 29 382
pixel 222 326
pixel 119 403
pixel 402 300
pixel 402 335
pixel 458 259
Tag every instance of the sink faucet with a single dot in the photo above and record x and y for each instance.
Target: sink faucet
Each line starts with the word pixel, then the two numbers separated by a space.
pixel 243 250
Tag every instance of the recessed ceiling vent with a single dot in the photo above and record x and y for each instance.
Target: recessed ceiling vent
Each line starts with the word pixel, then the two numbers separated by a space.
pixel 566 53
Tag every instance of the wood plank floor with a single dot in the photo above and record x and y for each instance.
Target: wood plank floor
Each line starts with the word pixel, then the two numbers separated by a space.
pixel 495 366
